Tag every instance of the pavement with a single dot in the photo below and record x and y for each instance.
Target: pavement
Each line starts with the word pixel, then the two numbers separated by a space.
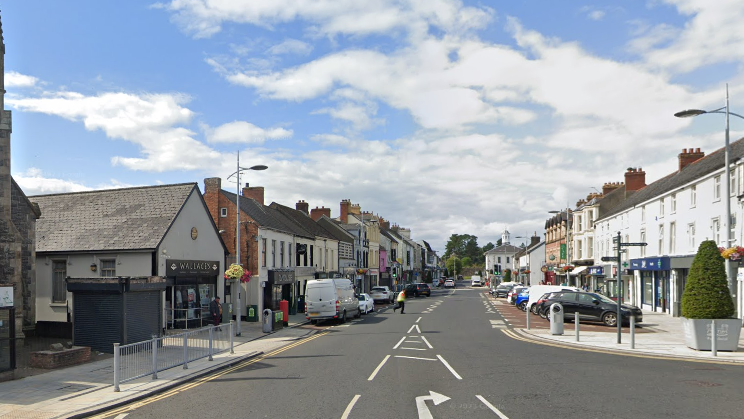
pixel 659 336
pixel 87 389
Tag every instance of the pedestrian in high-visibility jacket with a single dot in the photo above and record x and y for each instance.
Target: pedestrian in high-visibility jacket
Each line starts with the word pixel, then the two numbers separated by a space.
pixel 401 302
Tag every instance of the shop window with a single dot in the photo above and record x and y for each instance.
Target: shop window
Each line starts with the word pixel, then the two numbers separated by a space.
pixel 648 288
pixel 108 268
pixel 59 289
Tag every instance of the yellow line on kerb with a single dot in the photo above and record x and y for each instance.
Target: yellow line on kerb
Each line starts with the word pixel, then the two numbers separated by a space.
pixel 517 336
pixel 202 380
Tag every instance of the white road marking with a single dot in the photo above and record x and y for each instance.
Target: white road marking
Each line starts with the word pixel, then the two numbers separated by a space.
pixel 417 328
pixel 122 416
pixel 399 342
pixel 350 406
pixel 427 342
pixel 452 370
pixel 413 357
pixel 423 409
pixel 419 319
pixel 372 377
pixel 492 407
pixel 414 349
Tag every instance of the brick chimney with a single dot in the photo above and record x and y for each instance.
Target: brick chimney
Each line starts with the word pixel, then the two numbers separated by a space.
pixel 384 223
pixel 316 213
pixel 212 188
pixel 344 211
pixel 687 157
pixel 635 179
pixel 256 192
pixel 610 186
pixel 303 206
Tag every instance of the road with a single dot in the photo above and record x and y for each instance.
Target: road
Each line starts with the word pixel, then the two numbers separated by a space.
pixel 447 357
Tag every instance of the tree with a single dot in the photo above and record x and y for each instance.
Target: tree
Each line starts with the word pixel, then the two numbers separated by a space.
pixel 466 261
pixel 706 294
pixel 487 247
pixel 507 275
pixel 453 263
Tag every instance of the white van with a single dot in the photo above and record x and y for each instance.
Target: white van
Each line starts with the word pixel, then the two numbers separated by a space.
pixel 330 299
pixel 475 281
pixel 537 291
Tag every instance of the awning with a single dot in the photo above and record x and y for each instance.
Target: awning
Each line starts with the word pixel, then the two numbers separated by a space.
pixel 577 270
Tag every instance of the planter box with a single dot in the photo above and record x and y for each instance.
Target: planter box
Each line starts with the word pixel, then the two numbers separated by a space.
pixel 698 333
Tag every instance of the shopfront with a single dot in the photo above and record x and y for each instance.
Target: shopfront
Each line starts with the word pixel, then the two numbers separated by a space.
pixel 281 285
pixel 192 285
pixel 654 282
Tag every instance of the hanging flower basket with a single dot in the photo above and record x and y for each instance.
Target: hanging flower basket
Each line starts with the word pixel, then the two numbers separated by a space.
pixel 361 271
pixel 246 276
pixel 732 253
pixel 568 268
pixel 234 273
pixel 527 271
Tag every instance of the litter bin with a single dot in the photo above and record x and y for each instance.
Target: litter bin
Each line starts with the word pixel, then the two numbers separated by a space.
pixel 252 313
pixel 556 319
pixel 278 320
pixel 268 321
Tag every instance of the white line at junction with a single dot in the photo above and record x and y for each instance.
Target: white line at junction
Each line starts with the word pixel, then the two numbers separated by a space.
pixel 452 370
pixel 427 342
pixel 492 407
pixel 372 377
pixel 419 319
pixel 350 406
pixel 399 342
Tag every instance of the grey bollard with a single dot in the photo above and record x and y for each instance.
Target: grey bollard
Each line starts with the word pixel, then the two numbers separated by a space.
pixel 576 325
pixel 632 332
pixel 528 318
pixel 714 340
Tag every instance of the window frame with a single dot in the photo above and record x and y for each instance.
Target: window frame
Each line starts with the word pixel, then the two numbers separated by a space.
pixel 107 271
pixel 223 212
pixel 717 188
pixel 57 288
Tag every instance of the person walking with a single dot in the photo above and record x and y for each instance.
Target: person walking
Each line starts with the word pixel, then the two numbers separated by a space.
pixel 401 302
pixel 215 310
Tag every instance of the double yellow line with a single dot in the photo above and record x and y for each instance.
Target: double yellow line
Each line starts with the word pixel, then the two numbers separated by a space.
pixel 202 380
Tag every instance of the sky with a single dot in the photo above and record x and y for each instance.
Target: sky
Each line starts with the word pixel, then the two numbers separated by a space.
pixel 442 116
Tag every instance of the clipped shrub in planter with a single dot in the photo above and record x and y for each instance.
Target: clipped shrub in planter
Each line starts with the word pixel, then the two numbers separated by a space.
pixel 707 297
pixel 706 294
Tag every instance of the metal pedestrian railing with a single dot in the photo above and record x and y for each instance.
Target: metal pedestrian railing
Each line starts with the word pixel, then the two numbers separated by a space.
pixel 137 360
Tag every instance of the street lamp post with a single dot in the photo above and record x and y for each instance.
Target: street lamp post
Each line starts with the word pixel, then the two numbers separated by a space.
pixel 237 234
pixel 727 182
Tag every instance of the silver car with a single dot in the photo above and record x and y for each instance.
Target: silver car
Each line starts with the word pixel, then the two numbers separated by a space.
pixel 382 294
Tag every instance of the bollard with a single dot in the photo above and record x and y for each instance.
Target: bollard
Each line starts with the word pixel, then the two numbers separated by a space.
pixel 185 351
pixel 528 318
pixel 576 325
pixel 232 350
pixel 211 340
pixel 632 332
pixel 154 357
pixel 714 340
pixel 117 361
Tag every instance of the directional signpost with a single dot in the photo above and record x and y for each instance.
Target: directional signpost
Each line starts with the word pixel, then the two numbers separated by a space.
pixel 617 259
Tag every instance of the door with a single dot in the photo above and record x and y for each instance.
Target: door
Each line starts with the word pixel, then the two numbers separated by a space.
pixel 7 339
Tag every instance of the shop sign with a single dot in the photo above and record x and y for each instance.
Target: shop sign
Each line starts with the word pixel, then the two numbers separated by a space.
pixel 596 270
pixel 650 264
pixel 176 267
pixel 282 277
pixel 6 296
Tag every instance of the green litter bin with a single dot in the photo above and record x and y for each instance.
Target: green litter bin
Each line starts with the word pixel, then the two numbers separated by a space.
pixel 252 313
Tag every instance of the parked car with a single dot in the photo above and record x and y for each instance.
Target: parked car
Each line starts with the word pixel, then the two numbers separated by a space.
pixel 511 296
pixel 449 284
pixel 382 294
pixel 475 281
pixel 593 307
pixel 537 291
pixel 415 290
pixel 330 299
pixel 366 303
pixel 502 290
pixel 522 299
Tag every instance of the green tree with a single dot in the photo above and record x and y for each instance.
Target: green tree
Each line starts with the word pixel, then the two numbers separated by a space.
pixel 507 275
pixel 466 261
pixel 451 263
pixel 706 294
pixel 487 247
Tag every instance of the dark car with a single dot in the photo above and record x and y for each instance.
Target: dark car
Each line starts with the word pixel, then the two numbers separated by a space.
pixel 502 290
pixel 414 290
pixel 591 307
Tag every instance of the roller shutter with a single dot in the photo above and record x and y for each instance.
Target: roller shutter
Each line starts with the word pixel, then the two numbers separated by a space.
pixel 97 320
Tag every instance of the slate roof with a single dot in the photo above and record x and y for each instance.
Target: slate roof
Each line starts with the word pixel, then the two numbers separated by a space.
pixel 266 217
pixel 504 248
pixel 302 220
pixel 335 229
pixel 108 220
pixel 675 180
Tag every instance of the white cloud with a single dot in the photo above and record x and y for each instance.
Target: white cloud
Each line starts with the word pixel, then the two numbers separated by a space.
pixel 291 46
pixel 14 79
pixel 244 132
pixel 149 121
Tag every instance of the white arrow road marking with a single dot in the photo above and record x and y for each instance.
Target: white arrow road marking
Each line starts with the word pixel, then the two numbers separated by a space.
pixel 350 406
pixel 452 370
pixel 372 377
pixel 423 409
pixel 399 342
pixel 414 326
pixel 413 357
pixel 427 342
pixel 492 407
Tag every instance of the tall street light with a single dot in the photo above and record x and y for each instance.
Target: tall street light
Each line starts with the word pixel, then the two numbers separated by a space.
pixel 727 181
pixel 237 232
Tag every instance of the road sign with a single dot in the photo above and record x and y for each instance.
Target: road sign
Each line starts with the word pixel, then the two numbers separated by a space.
pixel 609 259
pixel 633 244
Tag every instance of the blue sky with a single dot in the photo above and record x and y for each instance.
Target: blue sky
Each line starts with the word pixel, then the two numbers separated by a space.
pixel 442 116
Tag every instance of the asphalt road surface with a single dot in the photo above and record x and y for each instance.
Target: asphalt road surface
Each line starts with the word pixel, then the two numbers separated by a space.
pixel 448 357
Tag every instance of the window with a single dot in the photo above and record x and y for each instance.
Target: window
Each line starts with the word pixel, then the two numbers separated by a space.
pixel 732 182
pixel 108 267
pixel 507 259
pixel 289 255
pixel 312 256
pixel 717 188
pixel 643 240
pixel 715 225
pixel 59 273
pixel 661 239
pixel 589 247
pixel 691 236
pixel 499 259
pixel 672 237
pixel 693 196
pixel 579 255
pixel 223 212
pixel 273 253
pixel 661 207
pixel 281 254
pixel 263 252
pixel 673 204
pixel 578 223
pixel 643 214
